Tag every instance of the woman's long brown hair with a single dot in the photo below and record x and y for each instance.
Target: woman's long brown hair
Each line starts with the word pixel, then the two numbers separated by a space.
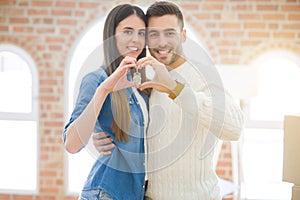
pixel 112 59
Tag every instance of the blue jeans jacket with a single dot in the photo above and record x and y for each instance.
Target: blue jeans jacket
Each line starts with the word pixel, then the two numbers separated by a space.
pixel 122 174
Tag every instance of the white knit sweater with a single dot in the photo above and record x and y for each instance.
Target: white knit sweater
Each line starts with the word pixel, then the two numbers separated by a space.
pixel 182 134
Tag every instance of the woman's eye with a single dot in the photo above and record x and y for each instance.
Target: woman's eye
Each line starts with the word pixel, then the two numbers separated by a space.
pixel 142 33
pixel 128 32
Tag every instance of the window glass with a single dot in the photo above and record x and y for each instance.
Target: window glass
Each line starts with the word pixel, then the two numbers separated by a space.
pixel 15 84
pixel 18 153
pixel 262 165
pixel 18 121
pixel 279 83
pixel 85 58
pixel 262 160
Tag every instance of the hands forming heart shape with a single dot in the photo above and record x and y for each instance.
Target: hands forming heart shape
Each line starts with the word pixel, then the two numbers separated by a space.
pixel 162 81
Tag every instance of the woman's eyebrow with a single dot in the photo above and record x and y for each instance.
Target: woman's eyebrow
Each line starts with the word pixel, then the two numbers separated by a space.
pixel 130 28
pixel 126 27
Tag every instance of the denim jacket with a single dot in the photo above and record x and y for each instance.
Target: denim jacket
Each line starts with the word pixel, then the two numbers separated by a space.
pixel 122 174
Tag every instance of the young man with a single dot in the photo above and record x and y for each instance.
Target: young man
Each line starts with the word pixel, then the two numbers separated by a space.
pixel 189 110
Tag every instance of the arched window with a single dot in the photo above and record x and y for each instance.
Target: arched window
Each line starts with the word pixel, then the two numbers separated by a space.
pixel 278 86
pixel 85 58
pixel 18 120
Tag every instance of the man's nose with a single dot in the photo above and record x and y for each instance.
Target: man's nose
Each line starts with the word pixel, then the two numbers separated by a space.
pixel 163 41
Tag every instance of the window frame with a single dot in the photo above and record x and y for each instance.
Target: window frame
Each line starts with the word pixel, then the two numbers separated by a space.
pixel 273 124
pixel 31 116
pixel 266 124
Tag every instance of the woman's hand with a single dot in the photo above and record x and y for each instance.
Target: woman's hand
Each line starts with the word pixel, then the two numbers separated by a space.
pixel 118 79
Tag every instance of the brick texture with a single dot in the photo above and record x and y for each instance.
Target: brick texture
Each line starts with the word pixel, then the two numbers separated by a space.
pixel 235 32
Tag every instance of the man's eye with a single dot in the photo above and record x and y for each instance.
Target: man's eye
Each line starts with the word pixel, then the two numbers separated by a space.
pixel 153 35
pixel 170 33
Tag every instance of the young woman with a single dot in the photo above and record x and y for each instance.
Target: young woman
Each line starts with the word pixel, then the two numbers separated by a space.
pixel 107 102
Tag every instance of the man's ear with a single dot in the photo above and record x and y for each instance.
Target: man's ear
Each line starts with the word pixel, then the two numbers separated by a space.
pixel 183 35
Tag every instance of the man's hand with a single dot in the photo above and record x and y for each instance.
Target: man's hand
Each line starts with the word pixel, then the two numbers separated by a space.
pixel 157 86
pixel 162 81
pixel 103 143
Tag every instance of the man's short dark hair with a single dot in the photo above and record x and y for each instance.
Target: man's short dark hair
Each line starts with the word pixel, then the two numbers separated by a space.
pixel 161 8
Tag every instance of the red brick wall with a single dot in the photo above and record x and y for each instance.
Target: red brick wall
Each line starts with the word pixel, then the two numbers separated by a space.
pixel 235 32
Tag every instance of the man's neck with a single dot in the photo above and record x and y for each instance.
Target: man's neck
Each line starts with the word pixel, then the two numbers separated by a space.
pixel 176 63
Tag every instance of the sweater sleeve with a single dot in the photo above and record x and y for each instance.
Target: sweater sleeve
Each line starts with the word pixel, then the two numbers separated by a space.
pixel 215 109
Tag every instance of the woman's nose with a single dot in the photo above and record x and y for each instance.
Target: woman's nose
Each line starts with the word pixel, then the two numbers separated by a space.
pixel 135 37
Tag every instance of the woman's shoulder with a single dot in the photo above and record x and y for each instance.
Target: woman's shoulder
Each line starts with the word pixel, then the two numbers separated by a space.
pixel 96 75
